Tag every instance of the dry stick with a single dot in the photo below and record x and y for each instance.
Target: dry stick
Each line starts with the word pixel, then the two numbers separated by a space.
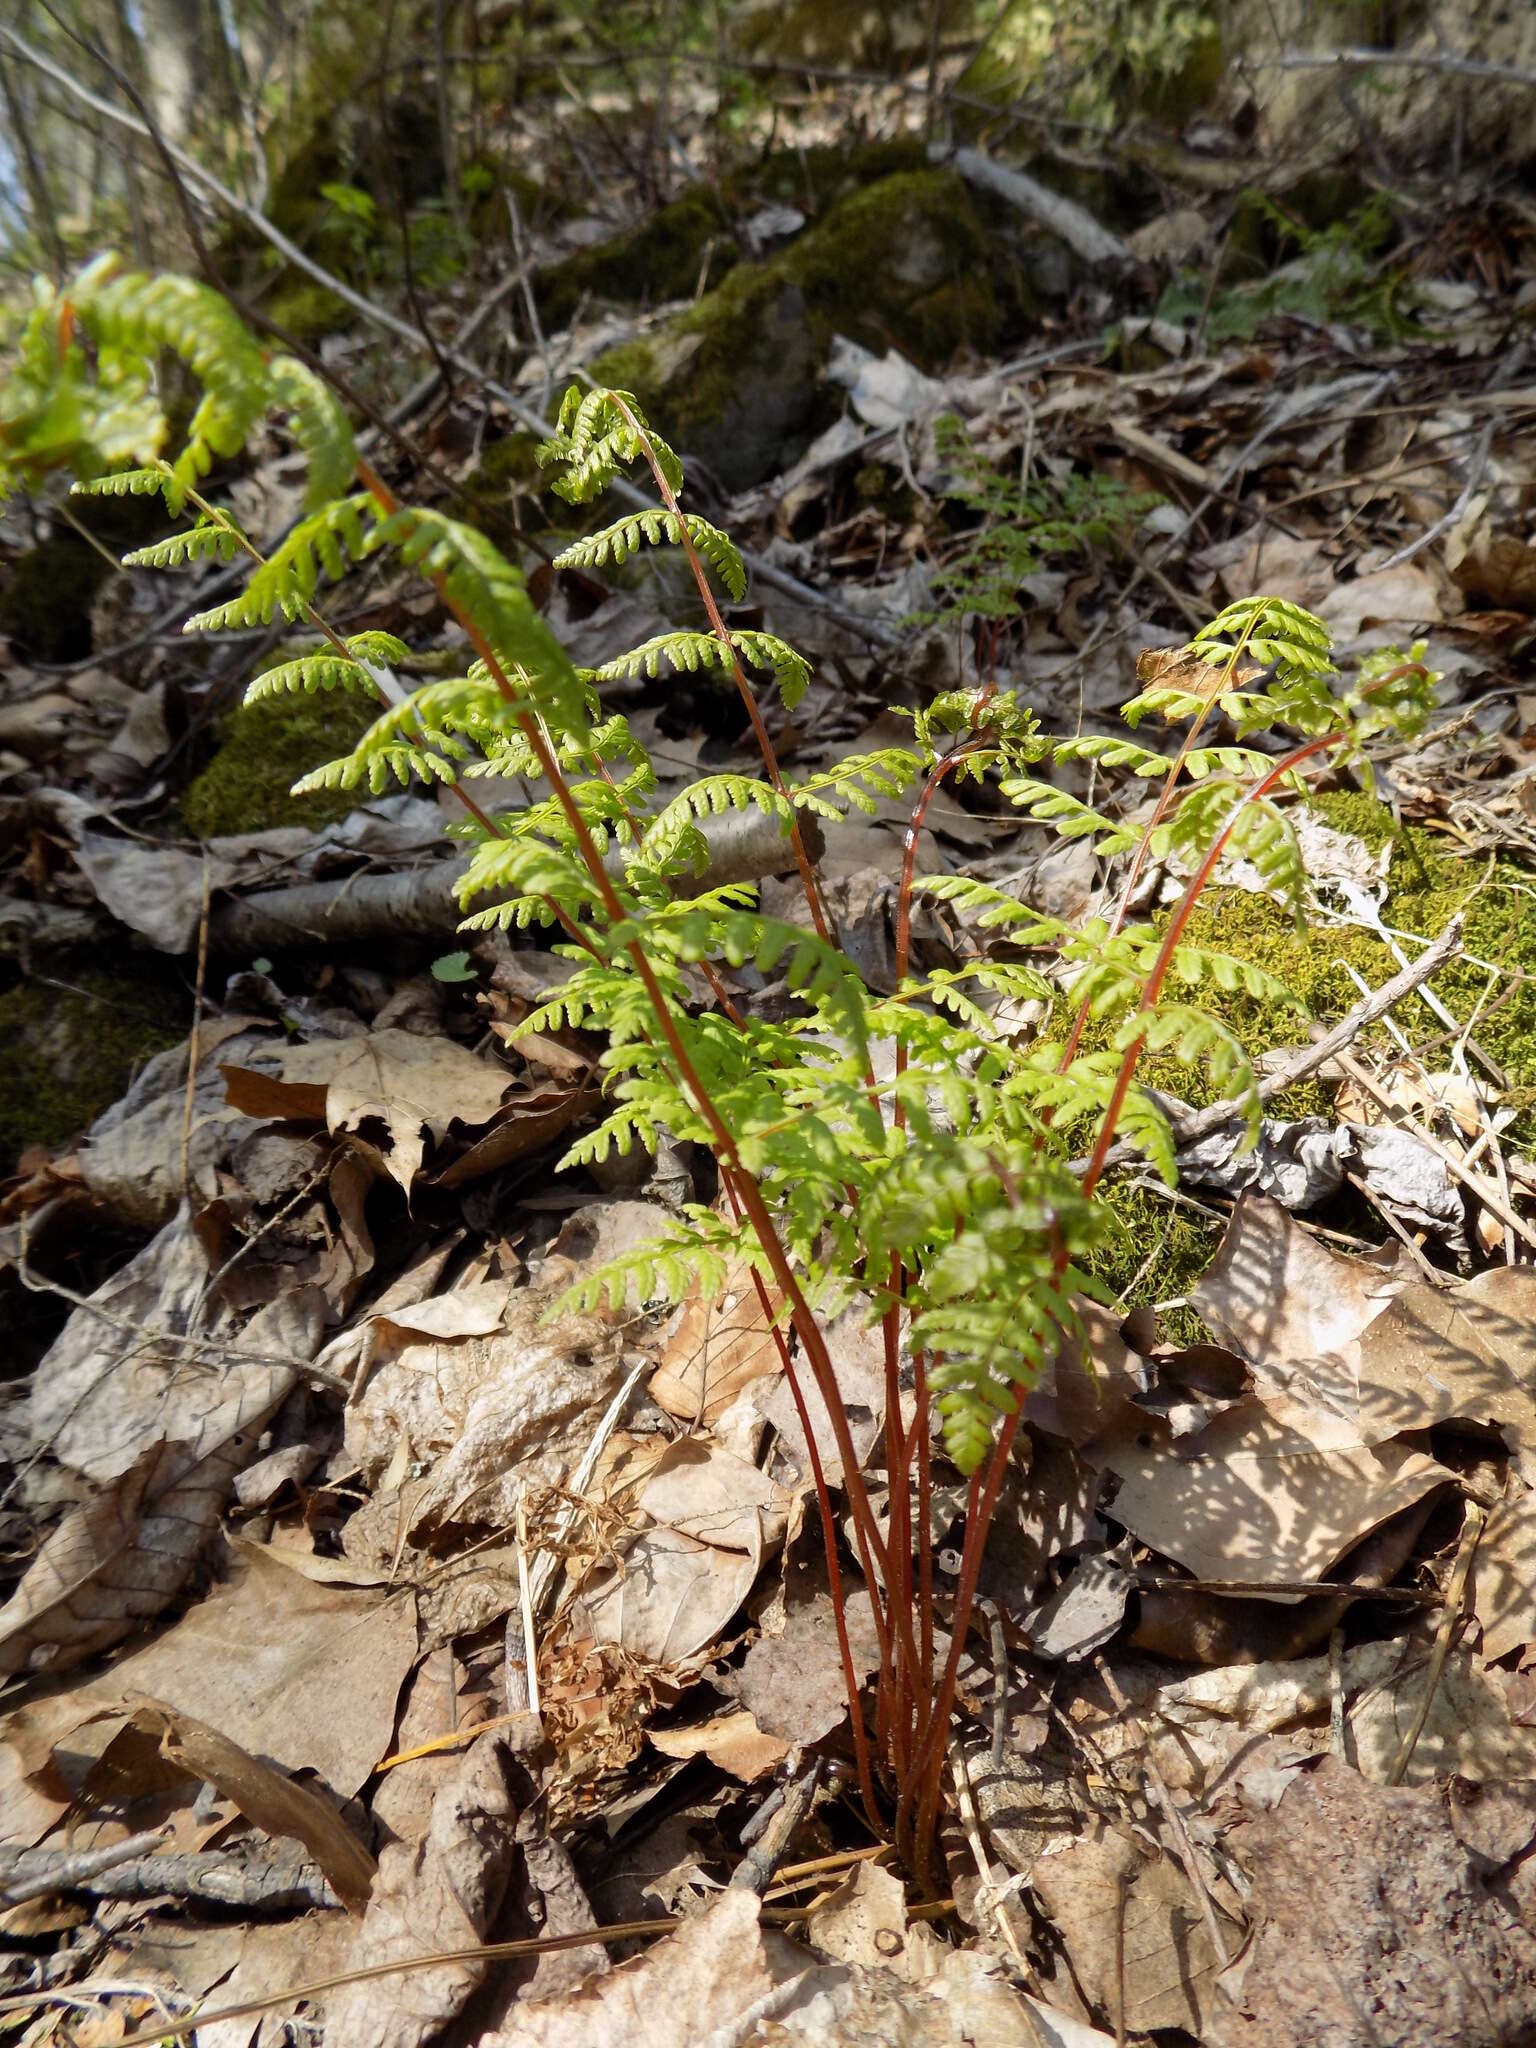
pixel 293 1994
pixel 1357 60
pixel 33 1873
pixel 1475 1184
pixel 1165 1799
pixel 1471 1535
pixel 1447 519
pixel 197 1018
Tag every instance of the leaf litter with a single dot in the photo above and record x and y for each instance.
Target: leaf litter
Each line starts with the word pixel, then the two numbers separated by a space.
pixel 334 1553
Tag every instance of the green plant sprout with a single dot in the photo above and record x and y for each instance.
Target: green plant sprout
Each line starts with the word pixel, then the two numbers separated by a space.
pixel 954 1198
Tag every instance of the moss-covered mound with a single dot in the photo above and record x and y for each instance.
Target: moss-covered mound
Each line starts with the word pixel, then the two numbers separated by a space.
pixel 263 750
pixel 1157 1250
pixel 70 1046
pixel 901 264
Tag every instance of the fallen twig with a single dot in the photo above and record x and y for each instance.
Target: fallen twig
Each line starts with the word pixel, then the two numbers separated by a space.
pixel 1471 1534
pixel 33 1873
pixel 1064 218
pixel 293 1887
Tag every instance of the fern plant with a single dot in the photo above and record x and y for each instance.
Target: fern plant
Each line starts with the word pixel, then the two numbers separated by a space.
pixel 945 1192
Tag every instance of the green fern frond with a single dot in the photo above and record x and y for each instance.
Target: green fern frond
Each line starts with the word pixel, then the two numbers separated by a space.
pixel 320 426
pixel 478 580
pixel 209 539
pixel 1111 750
pixel 1068 816
pixel 535 877
pixel 709 798
pixel 993 909
pixel 593 440
pixel 327 543
pixel 325 669
pixel 1197 1039
pixel 124 483
pixel 657 527
pixel 693 651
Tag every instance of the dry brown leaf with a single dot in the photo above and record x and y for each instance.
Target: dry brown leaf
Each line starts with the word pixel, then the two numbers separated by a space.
pixel 1248 1498
pixel 390 1091
pixel 713 1349
pixel 864 1920
pixel 791 1681
pixel 1468 1352
pixel 733 1741
pixel 266 1658
pixel 1170 1964
pixel 713 1520
pixel 687 1989
pixel 1500 568
pixel 502 1411
pixel 1504 1578
pixel 1374 1924
pixel 158 1432
pixel 856 1350
pixel 442 1893
pixel 1175 668
pixel 269 1800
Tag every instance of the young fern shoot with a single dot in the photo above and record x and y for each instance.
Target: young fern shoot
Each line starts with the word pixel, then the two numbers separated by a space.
pixel 939 1190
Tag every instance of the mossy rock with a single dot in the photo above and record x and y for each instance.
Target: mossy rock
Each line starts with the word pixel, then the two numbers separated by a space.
pixel 816 179
pixel 646 265
pixel 306 310
pixel 263 750
pixel 1427 885
pixel 70 1047
pixel 902 263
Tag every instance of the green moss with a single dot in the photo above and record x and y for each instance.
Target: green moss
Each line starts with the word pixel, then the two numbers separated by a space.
pixel 659 260
pixel 1153 1250
pixel 264 749
pixel 902 263
pixel 69 1048
pixel 306 310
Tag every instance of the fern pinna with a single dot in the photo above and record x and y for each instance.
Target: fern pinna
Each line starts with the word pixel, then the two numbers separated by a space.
pixel 891 1150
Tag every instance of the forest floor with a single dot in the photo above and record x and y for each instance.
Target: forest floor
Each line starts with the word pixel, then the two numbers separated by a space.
pixel 297 1473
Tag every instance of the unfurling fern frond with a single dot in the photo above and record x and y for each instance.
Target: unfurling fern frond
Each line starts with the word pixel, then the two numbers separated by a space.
pixel 137 314
pixel 325 669
pixel 328 543
pixel 657 527
pixel 596 435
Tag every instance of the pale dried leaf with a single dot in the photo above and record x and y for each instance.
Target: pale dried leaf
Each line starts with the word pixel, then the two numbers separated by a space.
pixel 1170 1964
pixel 713 1348
pixel 704 1978
pixel 732 1741
pixel 442 1893
pixel 713 1520
pixel 1504 1578
pixel 266 1659
pixel 391 1090
pixel 275 1803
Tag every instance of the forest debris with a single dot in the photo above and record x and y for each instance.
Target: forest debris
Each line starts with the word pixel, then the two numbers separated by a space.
pixel 733 1741
pixel 791 1680
pixel 695 1985
pixel 1073 224
pixel 1397 1884
pixel 1251 1498
pixel 268 1655
pixel 277 1804
pixel 713 1520
pixel 158 1430
pixel 442 1893
pixel 1085 1610
pixel 864 1921
pixel 415 1088
pixel 497 1416
pixel 715 1346
pixel 1504 1578
pixel 856 1351
pixel 1102 1891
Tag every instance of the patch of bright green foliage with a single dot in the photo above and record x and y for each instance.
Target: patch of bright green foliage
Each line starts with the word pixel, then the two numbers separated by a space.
pixel 1338 272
